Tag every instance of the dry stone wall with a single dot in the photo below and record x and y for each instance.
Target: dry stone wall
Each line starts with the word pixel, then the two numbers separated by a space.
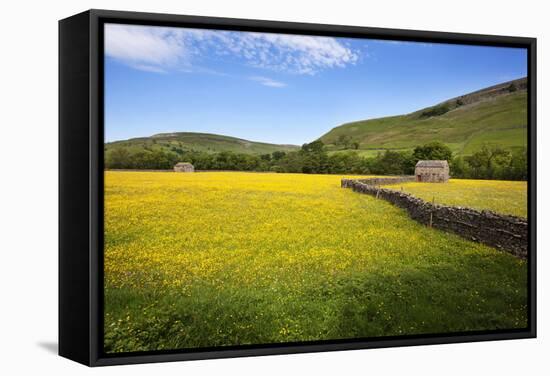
pixel 384 180
pixel 507 233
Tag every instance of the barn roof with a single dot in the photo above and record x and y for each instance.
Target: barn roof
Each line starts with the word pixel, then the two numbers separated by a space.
pixel 435 164
pixel 183 164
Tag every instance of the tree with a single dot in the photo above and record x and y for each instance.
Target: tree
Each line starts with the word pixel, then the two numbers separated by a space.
pixel 118 158
pixel 459 168
pixel 408 163
pixel 390 163
pixel 313 147
pixel 512 88
pixel 292 162
pixel 518 165
pixel 355 145
pixel 432 151
pixel 313 158
pixel 346 162
pixel 344 141
pixel 277 155
pixel 436 111
pixel 489 162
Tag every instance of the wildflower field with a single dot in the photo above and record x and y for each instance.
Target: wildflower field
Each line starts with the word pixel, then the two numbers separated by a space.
pixel 506 197
pixel 231 258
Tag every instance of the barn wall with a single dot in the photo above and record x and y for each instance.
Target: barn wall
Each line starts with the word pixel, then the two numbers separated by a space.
pixel 442 174
pixel 184 169
pixel 507 233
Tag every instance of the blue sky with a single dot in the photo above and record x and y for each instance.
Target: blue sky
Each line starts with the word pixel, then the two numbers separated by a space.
pixel 278 88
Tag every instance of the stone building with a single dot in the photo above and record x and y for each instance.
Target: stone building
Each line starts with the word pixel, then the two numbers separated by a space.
pixel 432 171
pixel 184 167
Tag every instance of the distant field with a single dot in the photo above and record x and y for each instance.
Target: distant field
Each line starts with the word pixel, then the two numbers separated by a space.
pixel 365 153
pixel 507 197
pixel 222 258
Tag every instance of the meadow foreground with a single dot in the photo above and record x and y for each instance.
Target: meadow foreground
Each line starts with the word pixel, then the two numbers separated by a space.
pixel 229 258
pixel 505 197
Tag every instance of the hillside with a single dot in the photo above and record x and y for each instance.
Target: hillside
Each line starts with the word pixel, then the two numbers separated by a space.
pixel 190 141
pixel 495 115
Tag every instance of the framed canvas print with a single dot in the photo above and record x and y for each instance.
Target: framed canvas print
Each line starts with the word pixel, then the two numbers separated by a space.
pixel 236 187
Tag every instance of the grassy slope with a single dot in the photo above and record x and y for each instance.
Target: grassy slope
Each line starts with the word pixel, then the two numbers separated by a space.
pixel 500 120
pixel 507 197
pixel 211 259
pixel 198 142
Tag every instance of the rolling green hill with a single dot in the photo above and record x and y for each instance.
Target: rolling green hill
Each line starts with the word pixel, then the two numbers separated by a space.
pixel 495 115
pixel 190 141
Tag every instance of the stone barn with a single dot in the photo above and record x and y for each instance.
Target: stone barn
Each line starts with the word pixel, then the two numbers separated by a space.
pixel 432 171
pixel 184 167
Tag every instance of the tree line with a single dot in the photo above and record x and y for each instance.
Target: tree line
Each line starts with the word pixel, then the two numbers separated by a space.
pixel 490 162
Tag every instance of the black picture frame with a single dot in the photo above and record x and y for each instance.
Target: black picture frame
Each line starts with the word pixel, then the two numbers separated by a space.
pixel 81 184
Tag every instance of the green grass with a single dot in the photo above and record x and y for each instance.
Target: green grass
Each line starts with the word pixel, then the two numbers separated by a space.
pixel 506 197
pixel 210 143
pixel 217 259
pixel 365 153
pixel 501 120
pixel 512 138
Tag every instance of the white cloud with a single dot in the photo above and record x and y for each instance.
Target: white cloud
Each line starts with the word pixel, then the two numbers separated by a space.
pixel 160 49
pixel 148 68
pixel 267 81
pixel 147 48
pixel 293 53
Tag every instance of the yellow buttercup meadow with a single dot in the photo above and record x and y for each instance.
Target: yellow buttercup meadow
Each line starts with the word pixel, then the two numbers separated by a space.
pixel 232 258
